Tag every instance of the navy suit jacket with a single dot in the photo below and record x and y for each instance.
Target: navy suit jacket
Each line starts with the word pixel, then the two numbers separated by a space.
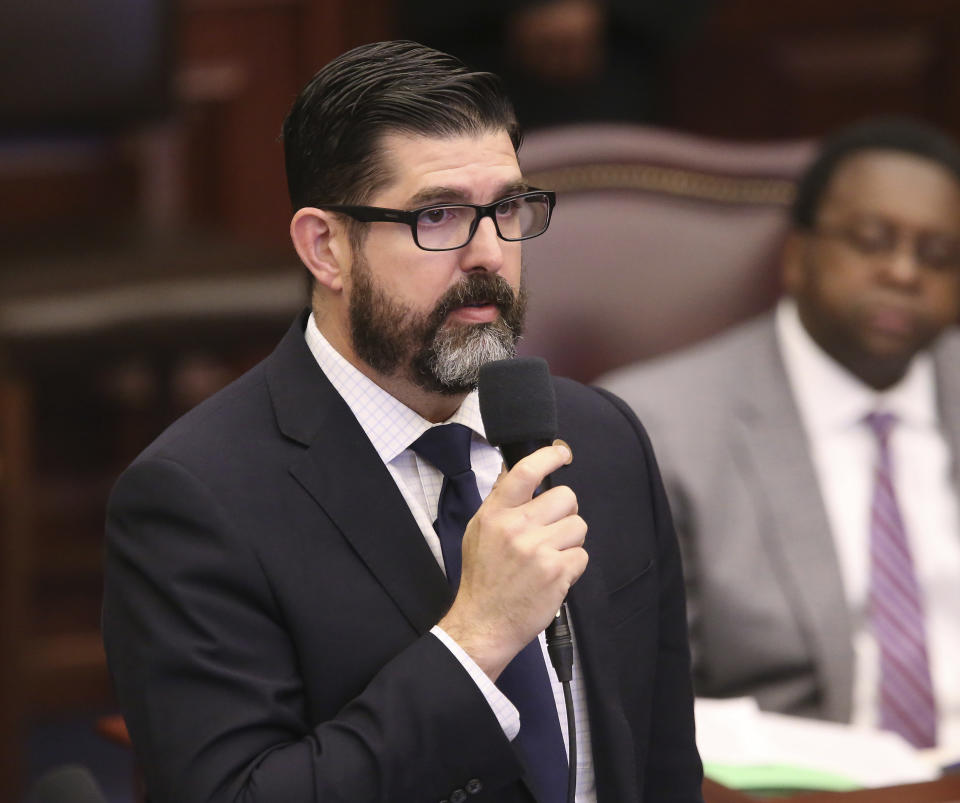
pixel 269 596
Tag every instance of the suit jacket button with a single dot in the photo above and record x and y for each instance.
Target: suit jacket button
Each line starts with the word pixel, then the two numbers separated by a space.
pixel 458 796
pixel 473 786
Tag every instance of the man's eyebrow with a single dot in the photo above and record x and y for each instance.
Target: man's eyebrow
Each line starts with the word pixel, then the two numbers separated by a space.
pixel 451 195
pixel 514 187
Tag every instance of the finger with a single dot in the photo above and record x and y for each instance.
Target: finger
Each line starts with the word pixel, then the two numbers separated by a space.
pixel 500 476
pixel 576 563
pixel 568 533
pixel 552 505
pixel 566 566
pixel 522 480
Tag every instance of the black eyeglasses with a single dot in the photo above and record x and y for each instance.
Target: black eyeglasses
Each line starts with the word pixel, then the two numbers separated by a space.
pixel 880 238
pixel 446 227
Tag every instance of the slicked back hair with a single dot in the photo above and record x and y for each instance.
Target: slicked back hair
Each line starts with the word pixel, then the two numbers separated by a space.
pixel 333 132
pixel 903 134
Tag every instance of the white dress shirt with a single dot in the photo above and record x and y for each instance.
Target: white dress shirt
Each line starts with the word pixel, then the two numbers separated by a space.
pixel 832 404
pixel 392 427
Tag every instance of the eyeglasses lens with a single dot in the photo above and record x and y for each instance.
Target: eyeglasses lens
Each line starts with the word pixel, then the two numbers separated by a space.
pixel 938 251
pixel 446 227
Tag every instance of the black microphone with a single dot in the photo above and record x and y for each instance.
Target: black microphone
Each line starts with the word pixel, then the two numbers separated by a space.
pixel 518 406
pixel 70 783
pixel 519 411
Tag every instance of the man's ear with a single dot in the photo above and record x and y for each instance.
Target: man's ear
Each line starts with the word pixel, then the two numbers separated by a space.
pixel 794 259
pixel 322 244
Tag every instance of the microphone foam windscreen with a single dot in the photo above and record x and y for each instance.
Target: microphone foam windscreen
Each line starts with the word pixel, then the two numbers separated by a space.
pixel 517 402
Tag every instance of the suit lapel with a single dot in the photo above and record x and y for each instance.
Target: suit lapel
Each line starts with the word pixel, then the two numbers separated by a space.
pixel 776 458
pixel 344 474
pixel 610 733
pixel 611 736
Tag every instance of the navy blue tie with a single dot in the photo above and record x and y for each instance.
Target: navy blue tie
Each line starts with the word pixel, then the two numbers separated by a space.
pixel 448 448
pixel 525 680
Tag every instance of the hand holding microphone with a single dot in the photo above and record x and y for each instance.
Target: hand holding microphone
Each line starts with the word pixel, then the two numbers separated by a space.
pixel 521 553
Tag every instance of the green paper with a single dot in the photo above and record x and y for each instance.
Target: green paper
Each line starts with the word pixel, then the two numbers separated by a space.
pixel 772 778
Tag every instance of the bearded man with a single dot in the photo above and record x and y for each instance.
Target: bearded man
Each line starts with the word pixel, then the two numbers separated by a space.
pixel 283 616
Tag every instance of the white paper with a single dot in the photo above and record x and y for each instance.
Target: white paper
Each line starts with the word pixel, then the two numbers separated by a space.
pixel 737 733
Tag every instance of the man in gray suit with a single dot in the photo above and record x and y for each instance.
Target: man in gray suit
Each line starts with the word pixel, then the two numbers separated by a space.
pixel 773 472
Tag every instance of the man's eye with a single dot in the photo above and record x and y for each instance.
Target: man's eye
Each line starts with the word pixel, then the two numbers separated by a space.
pixel 939 252
pixel 444 215
pixel 872 239
pixel 434 216
pixel 508 208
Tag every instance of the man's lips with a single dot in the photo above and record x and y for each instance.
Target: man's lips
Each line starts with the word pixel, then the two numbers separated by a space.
pixel 475 313
pixel 890 320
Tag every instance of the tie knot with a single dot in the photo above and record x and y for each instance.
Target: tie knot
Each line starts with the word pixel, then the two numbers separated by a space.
pixel 447 447
pixel 881 423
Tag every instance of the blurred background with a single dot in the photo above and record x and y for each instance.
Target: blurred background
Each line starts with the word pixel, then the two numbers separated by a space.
pixel 144 256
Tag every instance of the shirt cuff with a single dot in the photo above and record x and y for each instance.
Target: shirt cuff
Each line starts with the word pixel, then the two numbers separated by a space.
pixel 505 711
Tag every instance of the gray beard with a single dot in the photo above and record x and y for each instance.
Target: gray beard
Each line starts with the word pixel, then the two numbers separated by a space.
pixel 456 356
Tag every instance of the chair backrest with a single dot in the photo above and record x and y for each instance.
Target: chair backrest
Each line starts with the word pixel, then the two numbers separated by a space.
pixel 659 239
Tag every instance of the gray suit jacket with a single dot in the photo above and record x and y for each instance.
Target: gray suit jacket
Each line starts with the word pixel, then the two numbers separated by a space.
pixel 767 611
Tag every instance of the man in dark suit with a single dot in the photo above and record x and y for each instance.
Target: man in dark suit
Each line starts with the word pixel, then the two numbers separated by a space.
pixel 277 616
pixel 777 478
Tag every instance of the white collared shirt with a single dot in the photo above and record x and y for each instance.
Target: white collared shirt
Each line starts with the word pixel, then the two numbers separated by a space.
pixel 392 427
pixel 832 404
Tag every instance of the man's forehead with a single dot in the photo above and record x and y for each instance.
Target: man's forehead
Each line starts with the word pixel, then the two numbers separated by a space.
pixel 868 171
pixel 463 163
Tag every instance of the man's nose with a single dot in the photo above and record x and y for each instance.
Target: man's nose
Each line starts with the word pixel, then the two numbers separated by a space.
pixel 485 249
pixel 903 266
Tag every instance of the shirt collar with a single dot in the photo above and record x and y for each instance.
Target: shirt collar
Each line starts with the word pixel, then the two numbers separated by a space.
pixel 390 425
pixel 831 398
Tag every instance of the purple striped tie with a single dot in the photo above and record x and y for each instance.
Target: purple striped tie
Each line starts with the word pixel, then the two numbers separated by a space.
pixel 906 701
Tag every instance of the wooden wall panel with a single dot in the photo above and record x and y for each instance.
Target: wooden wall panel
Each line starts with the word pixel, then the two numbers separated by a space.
pixel 208 186
pixel 242 63
pixel 252 48
pixel 800 69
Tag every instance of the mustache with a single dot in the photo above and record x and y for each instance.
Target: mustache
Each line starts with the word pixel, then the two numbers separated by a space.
pixel 475 290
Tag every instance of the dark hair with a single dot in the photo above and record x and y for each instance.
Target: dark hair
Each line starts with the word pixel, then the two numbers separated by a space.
pixel 903 134
pixel 333 130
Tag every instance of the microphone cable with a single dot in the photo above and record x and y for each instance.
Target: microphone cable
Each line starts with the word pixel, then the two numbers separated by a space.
pixel 560 649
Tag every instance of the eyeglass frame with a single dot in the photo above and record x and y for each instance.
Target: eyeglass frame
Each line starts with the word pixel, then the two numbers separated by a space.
pixel 381 214
pixel 846 234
